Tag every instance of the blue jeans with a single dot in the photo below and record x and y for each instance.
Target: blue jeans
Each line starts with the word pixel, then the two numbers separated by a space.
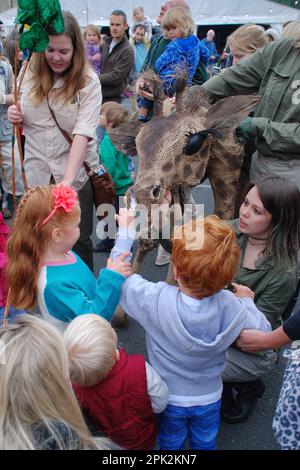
pixel 200 424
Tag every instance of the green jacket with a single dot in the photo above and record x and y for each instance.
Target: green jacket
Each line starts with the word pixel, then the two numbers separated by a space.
pixel 273 73
pixel 116 164
pixel 273 288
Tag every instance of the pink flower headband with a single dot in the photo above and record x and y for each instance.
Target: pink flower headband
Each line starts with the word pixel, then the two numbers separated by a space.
pixel 64 197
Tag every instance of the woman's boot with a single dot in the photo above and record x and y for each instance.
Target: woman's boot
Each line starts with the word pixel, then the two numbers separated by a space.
pixel 245 395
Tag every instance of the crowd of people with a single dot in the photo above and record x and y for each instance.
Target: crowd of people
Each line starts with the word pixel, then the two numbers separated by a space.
pixel 213 335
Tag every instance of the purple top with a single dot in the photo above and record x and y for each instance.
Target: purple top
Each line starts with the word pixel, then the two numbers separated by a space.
pixel 93 52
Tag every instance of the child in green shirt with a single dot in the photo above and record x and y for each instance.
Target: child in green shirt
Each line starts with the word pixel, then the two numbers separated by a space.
pixel 117 163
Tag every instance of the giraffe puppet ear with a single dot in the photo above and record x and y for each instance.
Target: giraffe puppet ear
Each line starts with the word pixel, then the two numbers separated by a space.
pixel 227 114
pixel 123 136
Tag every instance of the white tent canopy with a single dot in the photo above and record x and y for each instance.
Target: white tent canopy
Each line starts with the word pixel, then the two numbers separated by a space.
pixel 204 12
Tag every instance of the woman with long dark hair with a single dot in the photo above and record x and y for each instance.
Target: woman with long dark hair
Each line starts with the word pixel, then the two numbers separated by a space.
pixel 268 231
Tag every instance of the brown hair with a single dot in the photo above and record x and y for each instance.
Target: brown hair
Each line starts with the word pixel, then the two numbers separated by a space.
pixel 209 268
pixel 28 241
pixel 75 76
pixel 115 113
pixel 281 198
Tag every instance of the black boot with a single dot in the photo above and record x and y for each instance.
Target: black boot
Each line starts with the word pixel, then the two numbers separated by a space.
pixel 245 396
pixel 228 397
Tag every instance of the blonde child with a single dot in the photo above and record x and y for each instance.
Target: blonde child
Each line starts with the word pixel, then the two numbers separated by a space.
pixel 190 327
pixel 117 163
pixel 120 392
pixel 92 42
pixel 39 410
pixel 182 53
pixel 42 267
pixel 138 16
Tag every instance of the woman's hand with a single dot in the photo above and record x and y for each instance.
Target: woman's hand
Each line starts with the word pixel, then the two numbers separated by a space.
pixel 242 291
pixel 14 114
pixel 119 265
pixel 252 341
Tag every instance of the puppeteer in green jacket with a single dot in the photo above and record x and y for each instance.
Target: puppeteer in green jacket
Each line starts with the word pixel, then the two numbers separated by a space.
pixel 274 73
pixel 273 287
pixel 117 165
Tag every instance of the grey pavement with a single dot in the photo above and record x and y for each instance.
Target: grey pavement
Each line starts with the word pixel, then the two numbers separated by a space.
pixel 255 433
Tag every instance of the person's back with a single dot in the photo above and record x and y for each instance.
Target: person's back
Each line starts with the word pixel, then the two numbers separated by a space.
pixel 119 392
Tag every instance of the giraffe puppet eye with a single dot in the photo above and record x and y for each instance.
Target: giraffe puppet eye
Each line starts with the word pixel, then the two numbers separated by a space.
pixel 195 141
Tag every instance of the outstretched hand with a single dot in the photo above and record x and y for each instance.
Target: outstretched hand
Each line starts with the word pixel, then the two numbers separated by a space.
pixel 126 218
pixel 119 265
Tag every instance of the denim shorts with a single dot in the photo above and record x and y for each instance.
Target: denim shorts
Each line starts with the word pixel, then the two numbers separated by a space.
pixel 197 424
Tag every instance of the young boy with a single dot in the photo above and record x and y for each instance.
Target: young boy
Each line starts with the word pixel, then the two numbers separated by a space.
pixel 190 327
pixel 120 392
pixel 117 163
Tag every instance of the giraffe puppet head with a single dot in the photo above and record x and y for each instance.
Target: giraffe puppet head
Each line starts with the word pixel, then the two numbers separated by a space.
pixel 177 149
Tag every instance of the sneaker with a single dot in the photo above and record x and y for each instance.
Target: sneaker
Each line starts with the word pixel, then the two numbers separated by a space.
pixel 163 257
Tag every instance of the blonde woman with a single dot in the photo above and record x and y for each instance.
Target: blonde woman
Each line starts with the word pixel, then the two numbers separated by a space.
pixel 39 410
pixel 60 78
pixel 292 30
pixel 246 40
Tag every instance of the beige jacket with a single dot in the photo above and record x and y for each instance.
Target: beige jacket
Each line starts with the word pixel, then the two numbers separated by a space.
pixel 46 149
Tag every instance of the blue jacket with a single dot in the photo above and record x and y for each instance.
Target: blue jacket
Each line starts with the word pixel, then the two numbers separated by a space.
pixel 183 52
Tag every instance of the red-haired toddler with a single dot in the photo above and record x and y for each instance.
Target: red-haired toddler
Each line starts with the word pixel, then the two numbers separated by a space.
pixel 190 327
